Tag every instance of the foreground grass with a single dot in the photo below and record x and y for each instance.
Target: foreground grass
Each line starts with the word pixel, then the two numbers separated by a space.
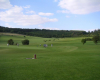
pixel 68 59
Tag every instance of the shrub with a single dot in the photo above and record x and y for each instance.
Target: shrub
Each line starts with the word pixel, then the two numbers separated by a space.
pixel 88 39
pixel 96 39
pixel 45 40
pixel 10 42
pixel 25 42
pixel 83 41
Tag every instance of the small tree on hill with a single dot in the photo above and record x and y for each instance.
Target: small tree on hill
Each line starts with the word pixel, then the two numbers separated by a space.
pixel 25 42
pixel 83 41
pixel 95 39
pixel 10 42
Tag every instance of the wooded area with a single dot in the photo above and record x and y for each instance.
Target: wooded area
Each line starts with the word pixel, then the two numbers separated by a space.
pixel 50 33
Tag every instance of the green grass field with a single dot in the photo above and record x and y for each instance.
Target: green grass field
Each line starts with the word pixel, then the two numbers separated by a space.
pixel 68 59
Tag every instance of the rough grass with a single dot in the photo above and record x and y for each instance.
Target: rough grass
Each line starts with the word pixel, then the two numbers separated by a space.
pixel 2 33
pixel 68 59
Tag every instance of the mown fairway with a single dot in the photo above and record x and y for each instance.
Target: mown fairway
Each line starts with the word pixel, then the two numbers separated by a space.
pixel 68 59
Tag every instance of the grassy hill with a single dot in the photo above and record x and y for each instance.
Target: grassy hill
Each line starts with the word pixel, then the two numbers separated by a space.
pixel 2 33
pixel 68 59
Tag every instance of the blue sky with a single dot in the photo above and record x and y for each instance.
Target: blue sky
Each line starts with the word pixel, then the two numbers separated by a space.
pixel 51 14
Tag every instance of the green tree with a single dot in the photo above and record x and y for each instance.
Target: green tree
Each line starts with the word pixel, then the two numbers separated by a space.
pixel 95 39
pixel 10 42
pixel 83 41
pixel 25 42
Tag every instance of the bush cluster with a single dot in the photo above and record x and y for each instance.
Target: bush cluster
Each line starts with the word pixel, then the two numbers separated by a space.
pixel 95 39
pixel 24 42
pixel 88 39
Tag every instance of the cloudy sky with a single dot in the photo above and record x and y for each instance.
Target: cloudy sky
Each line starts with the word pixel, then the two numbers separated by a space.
pixel 51 14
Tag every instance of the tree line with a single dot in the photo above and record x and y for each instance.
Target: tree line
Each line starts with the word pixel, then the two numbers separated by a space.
pixel 50 33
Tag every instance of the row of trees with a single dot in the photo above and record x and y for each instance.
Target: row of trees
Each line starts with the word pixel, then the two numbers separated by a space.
pixel 24 42
pixel 50 33
pixel 44 33
pixel 95 39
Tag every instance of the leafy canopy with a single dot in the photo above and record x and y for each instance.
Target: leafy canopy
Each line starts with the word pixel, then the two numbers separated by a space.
pixel 83 41
pixel 25 42
pixel 10 42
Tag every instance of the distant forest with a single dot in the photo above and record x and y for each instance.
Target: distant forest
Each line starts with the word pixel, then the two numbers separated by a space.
pixel 50 33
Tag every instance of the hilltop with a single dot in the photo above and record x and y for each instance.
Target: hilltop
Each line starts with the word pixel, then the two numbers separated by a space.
pixel 49 33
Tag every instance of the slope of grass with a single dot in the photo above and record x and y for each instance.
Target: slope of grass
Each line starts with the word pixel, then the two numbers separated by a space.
pixel 68 59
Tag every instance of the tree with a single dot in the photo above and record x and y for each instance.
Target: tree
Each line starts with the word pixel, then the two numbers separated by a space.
pixel 10 42
pixel 25 42
pixel 95 39
pixel 83 41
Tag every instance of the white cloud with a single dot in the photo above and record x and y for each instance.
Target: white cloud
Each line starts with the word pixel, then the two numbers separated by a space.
pixel 30 12
pixel 55 0
pixel 12 14
pixel 28 6
pixel 80 6
pixel 63 11
pixel 7 25
pixel 32 20
pixel 53 20
pixel 67 16
pixel 16 15
pixel 5 4
pixel 45 14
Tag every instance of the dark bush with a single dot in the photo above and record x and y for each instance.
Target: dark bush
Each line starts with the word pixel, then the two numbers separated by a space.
pixel 45 40
pixel 88 39
pixel 83 41
pixel 25 42
pixel 96 39
pixel 10 42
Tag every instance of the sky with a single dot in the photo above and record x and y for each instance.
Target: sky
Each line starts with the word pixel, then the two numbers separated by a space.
pixel 50 14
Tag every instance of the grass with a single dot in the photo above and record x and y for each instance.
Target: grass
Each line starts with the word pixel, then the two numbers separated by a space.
pixel 68 59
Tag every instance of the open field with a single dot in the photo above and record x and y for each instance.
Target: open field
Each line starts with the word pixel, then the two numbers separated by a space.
pixel 68 59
